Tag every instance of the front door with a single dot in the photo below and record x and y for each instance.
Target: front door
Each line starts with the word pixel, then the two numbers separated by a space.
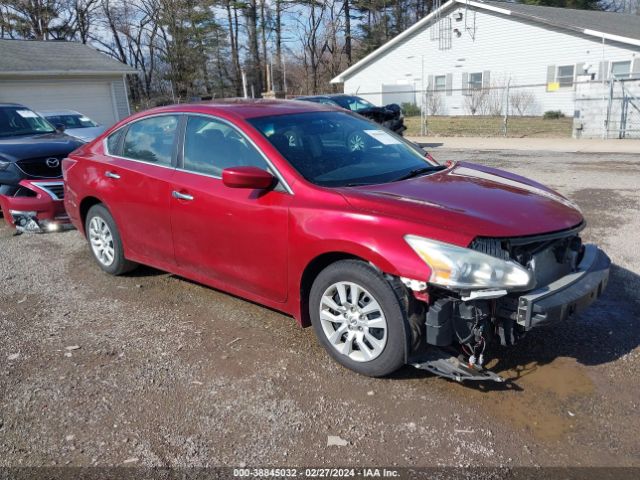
pixel 236 236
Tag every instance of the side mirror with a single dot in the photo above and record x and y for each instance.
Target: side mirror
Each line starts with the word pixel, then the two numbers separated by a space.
pixel 60 128
pixel 247 177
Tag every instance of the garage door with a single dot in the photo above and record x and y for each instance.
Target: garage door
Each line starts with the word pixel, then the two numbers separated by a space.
pixel 92 98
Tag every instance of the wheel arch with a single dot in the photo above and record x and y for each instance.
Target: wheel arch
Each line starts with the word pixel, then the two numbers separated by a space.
pixel 314 267
pixel 85 205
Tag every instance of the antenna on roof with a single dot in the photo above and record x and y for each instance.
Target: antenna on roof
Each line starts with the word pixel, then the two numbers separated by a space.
pixel 468 25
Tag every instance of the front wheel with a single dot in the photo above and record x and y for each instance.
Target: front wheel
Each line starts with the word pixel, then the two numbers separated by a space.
pixel 358 318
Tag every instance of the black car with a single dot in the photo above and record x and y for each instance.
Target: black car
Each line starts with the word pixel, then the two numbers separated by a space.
pixel 389 116
pixel 30 147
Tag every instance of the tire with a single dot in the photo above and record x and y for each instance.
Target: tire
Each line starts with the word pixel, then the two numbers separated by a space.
pixel 104 241
pixel 372 351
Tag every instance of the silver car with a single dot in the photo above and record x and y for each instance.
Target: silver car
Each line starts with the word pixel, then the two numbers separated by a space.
pixel 74 124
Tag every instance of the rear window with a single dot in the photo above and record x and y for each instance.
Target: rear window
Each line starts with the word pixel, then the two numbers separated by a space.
pixel 71 121
pixel 114 142
pixel 151 140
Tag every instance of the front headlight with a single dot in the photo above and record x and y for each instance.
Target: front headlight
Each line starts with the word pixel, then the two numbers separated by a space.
pixel 4 165
pixel 456 267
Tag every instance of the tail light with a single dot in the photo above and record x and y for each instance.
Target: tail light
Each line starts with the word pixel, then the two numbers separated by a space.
pixel 67 163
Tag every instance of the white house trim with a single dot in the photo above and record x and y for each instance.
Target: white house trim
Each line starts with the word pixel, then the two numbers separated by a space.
pixel 613 38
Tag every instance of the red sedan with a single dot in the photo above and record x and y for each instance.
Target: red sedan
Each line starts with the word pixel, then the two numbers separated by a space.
pixel 321 214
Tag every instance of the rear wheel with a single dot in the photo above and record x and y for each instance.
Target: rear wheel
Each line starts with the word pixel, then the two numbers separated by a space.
pixel 358 318
pixel 104 240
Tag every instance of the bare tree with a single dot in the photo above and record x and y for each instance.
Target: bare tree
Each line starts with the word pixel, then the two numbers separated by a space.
pixel 434 103
pixel 522 101
pixel 254 62
pixel 37 19
pixel 309 27
pixel 231 8
pixel 475 101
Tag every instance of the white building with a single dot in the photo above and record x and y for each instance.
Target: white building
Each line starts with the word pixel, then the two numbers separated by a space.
pixel 466 50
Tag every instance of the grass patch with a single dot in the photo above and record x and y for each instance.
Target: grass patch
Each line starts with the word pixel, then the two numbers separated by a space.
pixel 479 126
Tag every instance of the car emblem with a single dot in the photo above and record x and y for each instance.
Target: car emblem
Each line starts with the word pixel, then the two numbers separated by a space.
pixel 52 162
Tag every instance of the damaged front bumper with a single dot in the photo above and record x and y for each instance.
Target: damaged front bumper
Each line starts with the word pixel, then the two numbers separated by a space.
pixel 565 296
pixel 459 328
pixel 35 206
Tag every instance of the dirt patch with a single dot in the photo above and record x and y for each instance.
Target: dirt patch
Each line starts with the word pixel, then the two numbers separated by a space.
pixel 161 376
pixel 604 208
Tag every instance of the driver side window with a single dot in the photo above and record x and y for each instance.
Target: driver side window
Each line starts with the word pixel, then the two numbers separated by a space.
pixel 211 145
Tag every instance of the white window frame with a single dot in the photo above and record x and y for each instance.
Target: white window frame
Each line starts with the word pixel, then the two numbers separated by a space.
pixel 436 87
pixel 475 85
pixel 573 76
pixel 625 75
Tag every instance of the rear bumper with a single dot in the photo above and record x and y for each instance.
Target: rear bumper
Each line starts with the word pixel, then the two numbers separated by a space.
pixel 567 295
pixel 35 207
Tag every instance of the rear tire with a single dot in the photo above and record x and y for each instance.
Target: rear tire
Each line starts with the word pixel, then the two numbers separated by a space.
pixel 358 318
pixel 104 241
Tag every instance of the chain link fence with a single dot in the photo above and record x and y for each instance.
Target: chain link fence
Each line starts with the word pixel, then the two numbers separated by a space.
pixel 579 107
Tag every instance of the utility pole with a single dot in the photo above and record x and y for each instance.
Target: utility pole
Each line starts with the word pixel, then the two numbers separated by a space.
pixel 244 84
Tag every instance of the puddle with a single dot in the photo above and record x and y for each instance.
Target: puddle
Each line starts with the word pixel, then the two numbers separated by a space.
pixel 543 397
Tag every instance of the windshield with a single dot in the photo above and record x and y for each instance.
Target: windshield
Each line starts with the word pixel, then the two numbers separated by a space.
pixel 336 149
pixel 355 104
pixel 71 121
pixel 22 121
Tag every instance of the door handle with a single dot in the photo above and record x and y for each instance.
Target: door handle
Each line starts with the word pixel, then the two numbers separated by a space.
pixel 111 175
pixel 181 196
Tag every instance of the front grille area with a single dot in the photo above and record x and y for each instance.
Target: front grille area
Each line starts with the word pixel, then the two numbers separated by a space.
pixel 548 257
pixel 38 168
pixel 55 190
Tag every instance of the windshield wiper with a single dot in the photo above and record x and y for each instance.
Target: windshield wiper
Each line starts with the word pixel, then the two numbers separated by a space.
pixel 357 184
pixel 416 172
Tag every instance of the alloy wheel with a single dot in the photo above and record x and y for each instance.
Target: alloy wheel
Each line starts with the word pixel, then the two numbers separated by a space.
pixel 101 241
pixel 353 321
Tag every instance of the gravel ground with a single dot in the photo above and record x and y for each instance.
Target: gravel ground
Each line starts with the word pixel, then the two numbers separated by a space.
pixel 153 370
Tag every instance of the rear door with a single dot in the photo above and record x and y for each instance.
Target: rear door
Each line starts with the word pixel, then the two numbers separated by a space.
pixel 236 236
pixel 135 183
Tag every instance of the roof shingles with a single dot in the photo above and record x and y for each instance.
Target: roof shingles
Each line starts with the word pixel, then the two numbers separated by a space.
pixel 624 25
pixel 55 57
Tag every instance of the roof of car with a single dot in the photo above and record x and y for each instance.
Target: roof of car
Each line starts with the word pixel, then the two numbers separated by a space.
pixel 249 108
pixel 54 113
pixel 329 95
pixel 9 104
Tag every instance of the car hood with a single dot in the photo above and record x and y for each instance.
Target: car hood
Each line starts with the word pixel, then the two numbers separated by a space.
pixel 472 200
pixel 32 146
pixel 86 134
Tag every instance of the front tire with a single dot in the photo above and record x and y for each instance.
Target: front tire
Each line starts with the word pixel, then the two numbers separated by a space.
pixel 358 318
pixel 104 241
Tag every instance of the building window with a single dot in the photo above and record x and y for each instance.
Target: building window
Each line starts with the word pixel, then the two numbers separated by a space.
pixel 564 76
pixel 440 83
pixel 621 69
pixel 475 81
